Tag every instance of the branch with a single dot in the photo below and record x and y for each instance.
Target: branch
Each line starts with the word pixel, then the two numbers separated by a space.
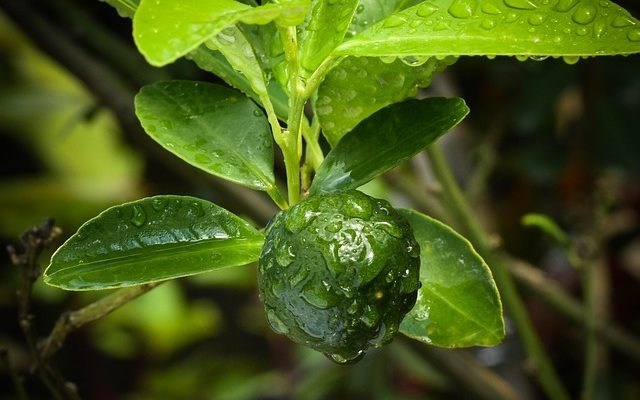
pixel 555 296
pixel 70 321
pixel 34 241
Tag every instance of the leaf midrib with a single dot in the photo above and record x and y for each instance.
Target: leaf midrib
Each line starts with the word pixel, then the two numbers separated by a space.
pixel 490 331
pixel 249 165
pixel 155 252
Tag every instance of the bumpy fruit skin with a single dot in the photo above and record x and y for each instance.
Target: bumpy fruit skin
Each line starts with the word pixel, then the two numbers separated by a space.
pixel 338 272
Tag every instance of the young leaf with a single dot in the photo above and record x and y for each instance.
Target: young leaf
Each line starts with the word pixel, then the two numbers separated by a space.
pixel 213 61
pixel 386 139
pixel 152 239
pixel 325 29
pixel 165 30
pixel 458 304
pixel 211 127
pixel 235 47
pixel 501 27
pixel 360 86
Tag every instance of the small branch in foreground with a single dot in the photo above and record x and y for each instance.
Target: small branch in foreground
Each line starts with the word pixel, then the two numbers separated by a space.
pixel 34 242
pixel 72 320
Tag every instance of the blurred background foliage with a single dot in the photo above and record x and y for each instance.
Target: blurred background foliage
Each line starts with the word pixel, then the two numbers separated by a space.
pixel 544 137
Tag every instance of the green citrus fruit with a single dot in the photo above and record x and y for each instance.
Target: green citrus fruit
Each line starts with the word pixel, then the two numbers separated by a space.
pixel 338 272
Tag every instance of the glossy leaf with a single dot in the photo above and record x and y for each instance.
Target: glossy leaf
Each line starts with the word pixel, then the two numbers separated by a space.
pixel 386 139
pixel 236 48
pixel 325 29
pixel 369 12
pixel 165 30
pixel 501 27
pixel 125 8
pixel 213 61
pixel 360 86
pixel 211 127
pixel 458 304
pixel 152 239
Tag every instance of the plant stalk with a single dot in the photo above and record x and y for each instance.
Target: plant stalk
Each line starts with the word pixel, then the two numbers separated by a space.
pixel 291 148
pixel 69 321
pixel 460 209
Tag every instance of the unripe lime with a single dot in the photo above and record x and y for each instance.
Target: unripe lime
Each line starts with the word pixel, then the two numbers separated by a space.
pixel 338 272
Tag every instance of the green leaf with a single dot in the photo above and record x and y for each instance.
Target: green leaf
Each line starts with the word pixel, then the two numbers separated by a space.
pixel 458 304
pixel 369 12
pixel 501 27
pixel 165 30
pixel 386 139
pixel 325 29
pixel 360 86
pixel 150 240
pixel 211 127
pixel 125 8
pixel 213 61
pixel 239 52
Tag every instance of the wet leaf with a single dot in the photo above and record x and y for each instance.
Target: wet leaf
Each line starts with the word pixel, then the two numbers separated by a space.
pixel 165 30
pixel 360 86
pixel 386 139
pixel 441 28
pixel 150 240
pixel 239 52
pixel 325 29
pixel 211 127
pixel 213 61
pixel 458 304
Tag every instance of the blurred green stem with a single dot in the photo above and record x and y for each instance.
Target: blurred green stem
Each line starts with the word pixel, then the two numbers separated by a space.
pixel 551 293
pixel 460 209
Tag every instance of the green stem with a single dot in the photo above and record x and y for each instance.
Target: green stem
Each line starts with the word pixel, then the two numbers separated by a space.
pixel 277 197
pixel 296 110
pixel 460 209
pixel 547 290
pixel 314 154
pixel 591 341
pixel 318 75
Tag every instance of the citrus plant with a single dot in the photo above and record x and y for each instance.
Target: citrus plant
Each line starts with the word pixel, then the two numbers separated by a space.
pixel 339 271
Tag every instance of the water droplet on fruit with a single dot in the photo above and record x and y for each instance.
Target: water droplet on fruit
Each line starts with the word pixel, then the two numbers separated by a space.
pixel 334 227
pixel 340 359
pixel 159 203
pixel 139 217
pixel 276 323
pixel 285 255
